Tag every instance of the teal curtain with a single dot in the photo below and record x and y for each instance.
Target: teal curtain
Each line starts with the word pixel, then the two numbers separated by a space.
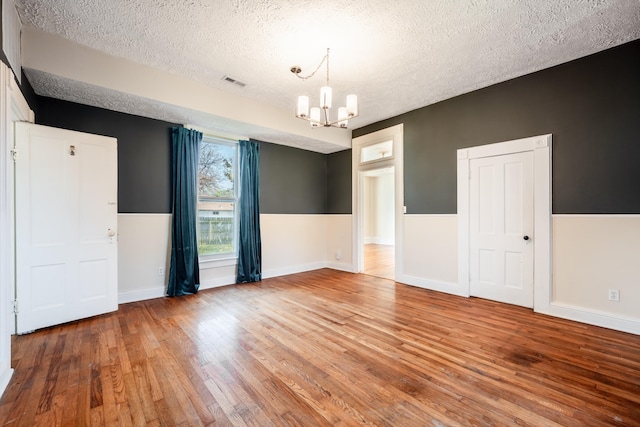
pixel 249 245
pixel 184 271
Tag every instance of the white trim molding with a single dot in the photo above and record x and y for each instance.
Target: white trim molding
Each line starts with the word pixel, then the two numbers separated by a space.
pixel 13 108
pixel 293 269
pixel 396 134
pixel 541 147
pixel 433 285
pixel 592 317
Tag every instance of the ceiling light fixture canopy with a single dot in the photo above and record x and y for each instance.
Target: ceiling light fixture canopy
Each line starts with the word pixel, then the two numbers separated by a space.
pixel 319 116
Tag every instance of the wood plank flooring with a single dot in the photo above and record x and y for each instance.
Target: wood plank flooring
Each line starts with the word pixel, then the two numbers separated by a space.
pixel 380 261
pixel 323 348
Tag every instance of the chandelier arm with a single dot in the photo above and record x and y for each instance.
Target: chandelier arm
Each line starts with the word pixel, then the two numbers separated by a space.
pixel 344 113
pixel 327 123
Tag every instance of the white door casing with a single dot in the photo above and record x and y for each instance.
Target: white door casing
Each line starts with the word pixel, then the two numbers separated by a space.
pixel 540 147
pixel 66 224
pixel 395 134
pixel 13 107
pixel 501 228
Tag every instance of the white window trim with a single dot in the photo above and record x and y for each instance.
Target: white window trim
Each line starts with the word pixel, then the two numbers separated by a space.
pixel 228 258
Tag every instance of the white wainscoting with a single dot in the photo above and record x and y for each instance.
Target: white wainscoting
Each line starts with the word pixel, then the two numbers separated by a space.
pixel 293 243
pixel 339 254
pixel 143 248
pixel 592 254
pixel 431 253
pixel 290 244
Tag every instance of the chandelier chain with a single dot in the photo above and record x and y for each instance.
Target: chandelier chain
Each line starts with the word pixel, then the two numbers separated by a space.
pixel 326 58
pixel 313 115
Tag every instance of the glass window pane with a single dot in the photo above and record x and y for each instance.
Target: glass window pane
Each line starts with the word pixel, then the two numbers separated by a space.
pixel 216 227
pixel 381 150
pixel 215 173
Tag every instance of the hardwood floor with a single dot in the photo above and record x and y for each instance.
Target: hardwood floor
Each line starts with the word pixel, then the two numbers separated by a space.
pixel 379 261
pixel 323 348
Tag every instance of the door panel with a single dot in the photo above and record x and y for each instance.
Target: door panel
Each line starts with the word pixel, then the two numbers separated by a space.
pixel 66 213
pixel 501 214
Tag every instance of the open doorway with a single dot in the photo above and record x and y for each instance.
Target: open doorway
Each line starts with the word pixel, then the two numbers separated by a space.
pixel 378 203
pixel 379 222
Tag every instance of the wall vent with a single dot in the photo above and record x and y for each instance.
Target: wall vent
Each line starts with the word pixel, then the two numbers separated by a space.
pixel 233 81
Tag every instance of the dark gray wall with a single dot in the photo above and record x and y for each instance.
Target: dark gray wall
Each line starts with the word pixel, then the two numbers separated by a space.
pixel 292 181
pixel 339 182
pixel 29 94
pixel 590 105
pixel 144 150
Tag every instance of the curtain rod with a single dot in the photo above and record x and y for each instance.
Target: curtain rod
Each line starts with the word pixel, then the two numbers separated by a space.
pixel 220 137
pixel 210 134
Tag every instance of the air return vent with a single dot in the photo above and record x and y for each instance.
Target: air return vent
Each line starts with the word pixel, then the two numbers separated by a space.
pixel 233 81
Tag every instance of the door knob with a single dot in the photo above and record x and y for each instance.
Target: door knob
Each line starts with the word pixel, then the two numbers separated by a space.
pixel 526 237
pixel 110 232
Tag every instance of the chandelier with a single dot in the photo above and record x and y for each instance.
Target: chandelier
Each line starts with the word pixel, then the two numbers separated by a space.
pixel 319 116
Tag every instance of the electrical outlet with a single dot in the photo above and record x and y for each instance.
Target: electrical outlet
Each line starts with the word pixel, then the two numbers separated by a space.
pixel 614 295
pixel 160 271
pixel 338 254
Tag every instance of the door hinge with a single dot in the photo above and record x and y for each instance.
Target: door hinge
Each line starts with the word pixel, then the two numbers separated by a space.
pixel 14 154
pixel 15 306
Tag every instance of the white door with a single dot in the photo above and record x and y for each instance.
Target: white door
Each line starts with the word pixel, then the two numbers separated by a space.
pixel 66 219
pixel 501 228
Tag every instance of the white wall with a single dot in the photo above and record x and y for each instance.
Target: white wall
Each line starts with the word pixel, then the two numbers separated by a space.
pixel 293 243
pixel 290 244
pixel 385 219
pixel 143 248
pixel 368 197
pixel 591 254
pixel 379 219
pixel 339 254
pixel 431 252
pixel 595 253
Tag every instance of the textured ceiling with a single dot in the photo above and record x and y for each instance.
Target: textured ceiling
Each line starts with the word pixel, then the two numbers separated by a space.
pixel 395 55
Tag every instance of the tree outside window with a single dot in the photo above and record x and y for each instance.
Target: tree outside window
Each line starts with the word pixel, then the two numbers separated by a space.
pixel 217 197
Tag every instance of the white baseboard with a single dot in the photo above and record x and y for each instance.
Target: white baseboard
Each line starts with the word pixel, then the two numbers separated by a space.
pixel 378 241
pixel 283 271
pixel 217 282
pixel 592 317
pixel 4 380
pixel 146 294
pixel 564 311
pixel 133 296
pixel 342 266
pixel 434 285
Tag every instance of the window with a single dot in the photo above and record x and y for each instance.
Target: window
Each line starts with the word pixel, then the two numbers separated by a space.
pixel 217 198
pixel 377 152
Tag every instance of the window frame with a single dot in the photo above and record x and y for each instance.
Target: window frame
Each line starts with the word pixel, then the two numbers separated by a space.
pixel 226 258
